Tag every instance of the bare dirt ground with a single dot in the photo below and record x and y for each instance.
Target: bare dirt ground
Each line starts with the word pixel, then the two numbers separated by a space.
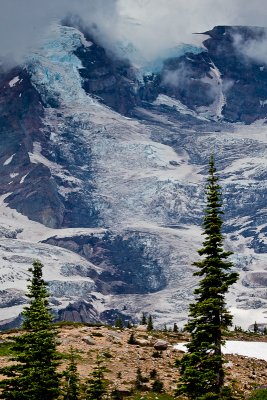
pixel 122 359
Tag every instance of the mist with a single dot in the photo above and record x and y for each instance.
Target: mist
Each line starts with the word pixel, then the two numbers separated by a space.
pixel 156 25
pixel 24 24
pixel 153 26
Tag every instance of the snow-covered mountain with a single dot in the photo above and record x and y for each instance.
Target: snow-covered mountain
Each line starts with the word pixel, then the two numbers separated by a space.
pixel 102 176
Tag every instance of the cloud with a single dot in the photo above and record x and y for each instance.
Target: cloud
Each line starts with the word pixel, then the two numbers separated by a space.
pixel 152 26
pixel 253 48
pixel 155 25
pixel 176 77
pixel 24 23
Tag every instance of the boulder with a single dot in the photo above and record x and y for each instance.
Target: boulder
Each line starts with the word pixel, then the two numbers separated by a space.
pixel 141 328
pixel 143 342
pixel 88 340
pixel 115 337
pixel 161 345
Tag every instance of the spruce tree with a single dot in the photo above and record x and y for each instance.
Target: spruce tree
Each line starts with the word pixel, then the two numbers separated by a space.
pixel 119 323
pixel 150 325
pixel 72 379
pixel 96 384
pixel 202 374
pixel 144 319
pixel 34 374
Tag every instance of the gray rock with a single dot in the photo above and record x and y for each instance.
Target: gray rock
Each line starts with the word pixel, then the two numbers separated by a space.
pixel 161 345
pixel 114 337
pixel 143 342
pixel 141 328
pixel 88 340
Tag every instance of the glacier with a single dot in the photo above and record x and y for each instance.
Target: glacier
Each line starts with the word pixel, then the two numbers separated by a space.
pixel 124 226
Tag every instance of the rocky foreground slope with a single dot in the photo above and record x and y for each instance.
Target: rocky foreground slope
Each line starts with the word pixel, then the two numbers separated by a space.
pixel 102 174
pixel 152 351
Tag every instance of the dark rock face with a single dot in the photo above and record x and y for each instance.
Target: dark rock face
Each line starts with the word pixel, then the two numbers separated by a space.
pixel 127 265
pixel 78 312
pixel 112 80
pixel 183 79
pixel 245 79
pixel 33 191
pixel 187 78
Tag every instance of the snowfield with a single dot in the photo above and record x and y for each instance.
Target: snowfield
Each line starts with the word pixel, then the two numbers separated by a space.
pixel 242 348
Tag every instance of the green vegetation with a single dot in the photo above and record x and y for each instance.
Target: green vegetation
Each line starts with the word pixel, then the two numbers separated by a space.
pixel 6 349
pixel 202 373
pixel 150 325
pixel 157 386
pixel 34 375
pixel 132 339
pixel 151 396
pixel 144 319
pixel 119 323
pixel 71 387
pixel 96 384
pixel 97 334
pixel 259 394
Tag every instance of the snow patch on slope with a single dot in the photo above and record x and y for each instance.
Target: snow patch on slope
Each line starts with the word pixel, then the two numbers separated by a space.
pixel 178 105
pixel 242 348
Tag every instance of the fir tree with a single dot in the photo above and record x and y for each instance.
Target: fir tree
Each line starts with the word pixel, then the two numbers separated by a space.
pixel 144 319
pixel 150 325
pixel 129 325
pixel 119 323
pixel 34 374
pixel 132 339
pixel 202 374
pixel 96 385
pixel 175 327
pixel 72 379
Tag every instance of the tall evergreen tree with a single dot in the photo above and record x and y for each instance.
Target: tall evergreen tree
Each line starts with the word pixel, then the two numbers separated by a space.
pixel 34 375
pixel 72 379
pixel 202 374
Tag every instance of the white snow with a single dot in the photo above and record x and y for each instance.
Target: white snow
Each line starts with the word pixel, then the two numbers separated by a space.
pixel 214 110
pixel 23 178
pixel 14 81
pixel 220 101
pixel 8 161
pixel 242 348
pixel 13 175
pixel 177 104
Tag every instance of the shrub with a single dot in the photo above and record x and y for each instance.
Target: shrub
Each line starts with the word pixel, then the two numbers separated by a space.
pixel 259 394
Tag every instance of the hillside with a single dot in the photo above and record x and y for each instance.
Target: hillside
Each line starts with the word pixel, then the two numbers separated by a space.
pixel 123 359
